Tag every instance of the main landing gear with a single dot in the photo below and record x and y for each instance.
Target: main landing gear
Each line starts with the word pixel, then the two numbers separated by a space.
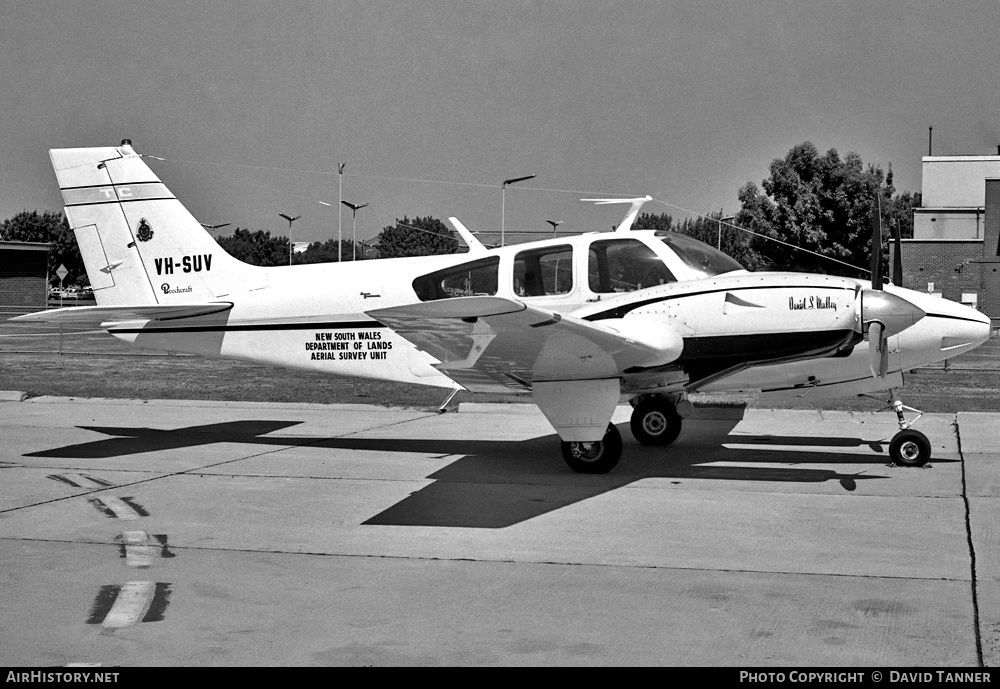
pixel 598 457
pixel 655 422
pixel 908 448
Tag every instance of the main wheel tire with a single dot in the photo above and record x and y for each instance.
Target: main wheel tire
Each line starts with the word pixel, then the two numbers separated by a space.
pixel 910 448
pixel 594 458
pixel 655 422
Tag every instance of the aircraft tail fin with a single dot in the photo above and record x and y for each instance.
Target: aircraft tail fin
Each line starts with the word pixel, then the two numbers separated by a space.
pixel 139 244
pixel 633 211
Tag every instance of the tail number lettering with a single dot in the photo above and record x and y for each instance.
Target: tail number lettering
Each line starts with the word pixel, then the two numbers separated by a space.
pixel 185 264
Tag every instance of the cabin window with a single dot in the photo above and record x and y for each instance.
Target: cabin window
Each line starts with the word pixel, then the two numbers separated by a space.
pixel 624 265
pixel 542 272
pixel 475 278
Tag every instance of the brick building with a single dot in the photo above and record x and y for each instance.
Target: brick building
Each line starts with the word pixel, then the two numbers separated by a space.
pixel 956 232
pixel 23 276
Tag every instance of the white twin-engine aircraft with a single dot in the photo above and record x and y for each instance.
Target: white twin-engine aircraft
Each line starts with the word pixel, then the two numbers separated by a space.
pixel 580 323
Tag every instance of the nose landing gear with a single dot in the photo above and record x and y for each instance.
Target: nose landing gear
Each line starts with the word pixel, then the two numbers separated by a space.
pixel 909 448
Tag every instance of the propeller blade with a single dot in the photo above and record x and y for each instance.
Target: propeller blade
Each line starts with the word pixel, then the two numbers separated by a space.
pixel 878 350
pixel 877 245
pixel 897 257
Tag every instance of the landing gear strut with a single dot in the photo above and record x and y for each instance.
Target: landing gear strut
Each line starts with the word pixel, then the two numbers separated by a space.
pixel 655 421
pixel 909 448
pixel 598 457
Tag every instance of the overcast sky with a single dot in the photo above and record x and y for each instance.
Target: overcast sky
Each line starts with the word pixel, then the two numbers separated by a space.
pixel 432 104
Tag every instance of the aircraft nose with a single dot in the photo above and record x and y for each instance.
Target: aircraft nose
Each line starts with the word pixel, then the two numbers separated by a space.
pixel 948 329
pixel 967 329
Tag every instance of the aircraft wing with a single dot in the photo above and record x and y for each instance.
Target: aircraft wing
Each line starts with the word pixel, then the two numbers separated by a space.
pixel 96 315
pixel 490 343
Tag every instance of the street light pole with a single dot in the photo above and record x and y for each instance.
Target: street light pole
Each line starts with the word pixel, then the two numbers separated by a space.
pixel 727 219
pixel 340 197
pixel 503 202
pixel 290 220
pixel 354 230
pixel 555 224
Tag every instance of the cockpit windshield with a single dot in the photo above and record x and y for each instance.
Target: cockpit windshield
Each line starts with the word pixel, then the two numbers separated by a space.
pixel 703 259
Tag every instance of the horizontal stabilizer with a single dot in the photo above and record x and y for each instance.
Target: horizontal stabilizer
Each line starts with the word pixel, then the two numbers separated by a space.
pixel 633 212
pixel 95 315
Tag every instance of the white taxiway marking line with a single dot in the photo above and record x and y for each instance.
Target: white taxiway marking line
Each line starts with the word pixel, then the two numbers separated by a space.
pixel 87 481
pixel 121 509
pixel 138 553
pixel 131 603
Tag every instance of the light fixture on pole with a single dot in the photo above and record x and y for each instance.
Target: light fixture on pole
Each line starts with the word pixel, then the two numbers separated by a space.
pixel 328 205
pixel 354 230
pixel 503 202
pixel 290 221
pixel 555 224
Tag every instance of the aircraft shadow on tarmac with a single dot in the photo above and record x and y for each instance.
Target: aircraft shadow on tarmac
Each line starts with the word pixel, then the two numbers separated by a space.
pixel 494 484
pixel 131 441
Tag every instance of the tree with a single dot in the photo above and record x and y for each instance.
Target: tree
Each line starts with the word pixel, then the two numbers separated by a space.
pixel 419 237
pixel 824 204
pixel 326 252
pixel 257 248
pixel 52 228
pixel 900 211
pixel 663 222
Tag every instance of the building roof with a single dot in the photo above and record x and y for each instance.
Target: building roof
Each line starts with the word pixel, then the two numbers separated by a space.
pixel 24 246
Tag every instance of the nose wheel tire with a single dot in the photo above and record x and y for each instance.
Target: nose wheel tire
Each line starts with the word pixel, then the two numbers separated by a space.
pixel 910 448
pixel 655 422
pixel 598 457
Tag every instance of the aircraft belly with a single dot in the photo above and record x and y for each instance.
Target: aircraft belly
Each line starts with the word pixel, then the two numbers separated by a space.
pixel 202 344
pixel 822 378
pixel 365 352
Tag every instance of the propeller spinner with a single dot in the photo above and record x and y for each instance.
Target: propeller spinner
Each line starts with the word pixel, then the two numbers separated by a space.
pixel 884 314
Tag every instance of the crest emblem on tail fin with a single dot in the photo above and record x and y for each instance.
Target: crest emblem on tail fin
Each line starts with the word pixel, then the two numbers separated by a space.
pixel 145 232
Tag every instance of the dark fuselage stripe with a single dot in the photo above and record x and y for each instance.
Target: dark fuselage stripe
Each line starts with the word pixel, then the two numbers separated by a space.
pixel 334 325
pixel 104 203
pixel 620 311
pixel 111 184
pixel 101 203
pixel 954 318
pixel 808 386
